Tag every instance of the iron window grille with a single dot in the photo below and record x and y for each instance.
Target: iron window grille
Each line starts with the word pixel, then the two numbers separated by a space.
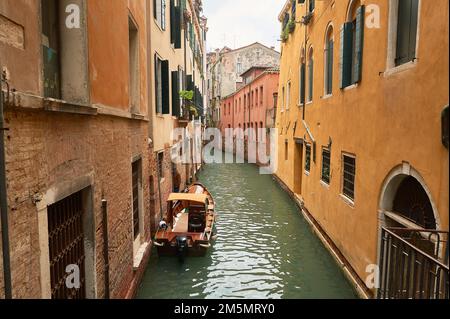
pixel 349 170
pixel 308 158
pixel 326 165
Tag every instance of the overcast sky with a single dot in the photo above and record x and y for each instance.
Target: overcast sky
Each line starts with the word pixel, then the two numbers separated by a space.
pixel 237 23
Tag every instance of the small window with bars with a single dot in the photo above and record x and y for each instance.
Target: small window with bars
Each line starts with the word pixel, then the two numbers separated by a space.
pixel 308 158
pixel 326 166
pixel 349 171
pixel 136 184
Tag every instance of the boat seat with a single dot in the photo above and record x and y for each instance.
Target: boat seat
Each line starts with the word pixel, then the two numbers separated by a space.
pixel 196 223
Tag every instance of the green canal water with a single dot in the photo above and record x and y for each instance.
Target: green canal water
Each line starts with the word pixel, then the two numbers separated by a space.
pixel 265 248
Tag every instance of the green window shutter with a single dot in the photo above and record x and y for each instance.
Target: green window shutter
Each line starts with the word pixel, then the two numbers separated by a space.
pixel 302 83
pixel 311 80
pixel 172 21
pixel 413 28
pixel 175 94
pixel 177 27
pixel 165 87
pixel 359 45
pixel 406 31
pixel 155 60
pixel 345 57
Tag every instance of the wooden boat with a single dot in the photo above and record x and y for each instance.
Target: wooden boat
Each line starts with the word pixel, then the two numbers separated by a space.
pixel 188 228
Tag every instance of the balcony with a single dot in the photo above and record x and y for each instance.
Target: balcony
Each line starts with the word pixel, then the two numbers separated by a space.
pixel 414 264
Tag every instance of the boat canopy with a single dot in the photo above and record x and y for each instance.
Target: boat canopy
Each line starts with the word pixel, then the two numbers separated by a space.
pixel 196 198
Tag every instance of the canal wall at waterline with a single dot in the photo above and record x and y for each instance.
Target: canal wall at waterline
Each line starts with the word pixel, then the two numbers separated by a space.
pixel 351 275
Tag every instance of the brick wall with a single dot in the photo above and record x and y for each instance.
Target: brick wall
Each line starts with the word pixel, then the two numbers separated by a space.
pixel 45 149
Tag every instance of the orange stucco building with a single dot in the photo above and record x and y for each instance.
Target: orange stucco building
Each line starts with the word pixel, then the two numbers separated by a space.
pixel 363 89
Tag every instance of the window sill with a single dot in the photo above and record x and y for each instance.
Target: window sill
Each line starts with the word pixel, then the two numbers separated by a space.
pixel 139 257
pixel 324 184
pixel 351 87
pixel 401 68
pixel 307 173
pixel 326 97
pixel 162 180
pixel 55 105
pixel 157 24
pixel 347 200
pixel 309 103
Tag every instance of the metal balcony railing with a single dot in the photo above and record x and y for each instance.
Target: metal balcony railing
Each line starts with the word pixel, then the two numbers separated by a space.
pixel 414 264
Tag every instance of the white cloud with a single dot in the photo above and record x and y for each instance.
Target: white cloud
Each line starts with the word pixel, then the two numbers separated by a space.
pixel 236 23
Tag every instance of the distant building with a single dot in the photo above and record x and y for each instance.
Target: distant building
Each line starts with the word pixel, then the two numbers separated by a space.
pixel 253 105
pixel 226 66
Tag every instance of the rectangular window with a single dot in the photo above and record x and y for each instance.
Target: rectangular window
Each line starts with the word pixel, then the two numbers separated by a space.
pixel 408 12
pixel 159 13
pixel 175 24
pixel 133 50
pixel 308 158
pixel 288 96
pixel 312 5
pixel 282 99
pixel 176 110
pixel 349 169
pixel 261 96
pixel 51 50
pixel 162 86
pixel 160 165
pixel 136 185
pixel 326 165
pixel 66 240
pixel 286 151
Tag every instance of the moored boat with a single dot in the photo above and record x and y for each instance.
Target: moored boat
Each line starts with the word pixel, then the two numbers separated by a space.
pixel 188 227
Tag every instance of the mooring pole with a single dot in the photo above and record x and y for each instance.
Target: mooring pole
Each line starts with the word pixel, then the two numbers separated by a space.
pixel 4 203
pixel 106 246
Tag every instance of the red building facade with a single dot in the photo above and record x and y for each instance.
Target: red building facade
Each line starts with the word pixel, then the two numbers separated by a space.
pixel 250 105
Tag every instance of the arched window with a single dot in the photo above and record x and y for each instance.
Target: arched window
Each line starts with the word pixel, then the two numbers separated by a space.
pixel 310 75
pixel 328 63
pixel 302 78
pixel 352 33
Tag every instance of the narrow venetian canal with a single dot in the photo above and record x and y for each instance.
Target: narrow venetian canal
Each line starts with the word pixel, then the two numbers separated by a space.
pixel 265 248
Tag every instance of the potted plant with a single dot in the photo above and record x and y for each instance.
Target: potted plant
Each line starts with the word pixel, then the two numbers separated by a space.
pixel 188 105
pixel 291 25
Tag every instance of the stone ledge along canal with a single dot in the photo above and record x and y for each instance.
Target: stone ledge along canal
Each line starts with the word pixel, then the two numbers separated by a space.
pixel 265 249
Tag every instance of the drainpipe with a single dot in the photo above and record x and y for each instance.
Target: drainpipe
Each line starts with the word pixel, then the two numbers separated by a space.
pixel 4 204
pixel 106 246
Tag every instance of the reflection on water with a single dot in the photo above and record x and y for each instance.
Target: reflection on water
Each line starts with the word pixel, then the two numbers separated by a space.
pixel 265 248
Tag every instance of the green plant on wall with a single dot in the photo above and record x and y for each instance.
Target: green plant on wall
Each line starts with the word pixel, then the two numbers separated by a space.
pixel 187 97
pixel 285 34
pixel 291 25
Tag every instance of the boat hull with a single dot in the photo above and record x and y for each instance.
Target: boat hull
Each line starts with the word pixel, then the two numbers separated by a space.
pixel 172 251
